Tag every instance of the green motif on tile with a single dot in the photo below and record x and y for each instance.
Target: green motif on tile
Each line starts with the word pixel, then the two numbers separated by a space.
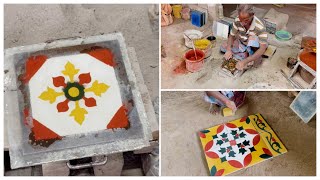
pixel 224 135
pixel 246 143
pixel 219 142
pixel 222 150
pixel 242 135
pixel 232 154
pixel 234 132
pixel 252 149
pixel 223 159
pixel 242 151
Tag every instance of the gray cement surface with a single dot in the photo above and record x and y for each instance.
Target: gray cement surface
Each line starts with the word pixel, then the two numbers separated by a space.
pixel 184 114
pixel 31 24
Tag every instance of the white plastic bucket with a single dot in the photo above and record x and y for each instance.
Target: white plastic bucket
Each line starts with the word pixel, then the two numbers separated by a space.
pixel 193 35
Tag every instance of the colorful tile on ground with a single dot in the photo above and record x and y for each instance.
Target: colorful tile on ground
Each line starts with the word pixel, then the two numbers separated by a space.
pixel 238 144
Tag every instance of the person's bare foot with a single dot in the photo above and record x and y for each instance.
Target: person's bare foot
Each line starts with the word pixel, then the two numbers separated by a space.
pixel 214 109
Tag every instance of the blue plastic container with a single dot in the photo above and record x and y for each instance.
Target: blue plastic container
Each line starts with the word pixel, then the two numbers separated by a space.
pixel 197 18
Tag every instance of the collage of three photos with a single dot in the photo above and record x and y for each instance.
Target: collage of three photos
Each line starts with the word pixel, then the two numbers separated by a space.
pixel 88 86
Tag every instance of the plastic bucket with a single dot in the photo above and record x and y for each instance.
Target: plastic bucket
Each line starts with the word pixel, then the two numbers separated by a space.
pixel 193 35
pixel 193 64
pixel 205 45
pixel 176 11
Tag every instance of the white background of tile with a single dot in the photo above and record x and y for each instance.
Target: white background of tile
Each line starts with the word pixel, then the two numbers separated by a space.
pixel 61 123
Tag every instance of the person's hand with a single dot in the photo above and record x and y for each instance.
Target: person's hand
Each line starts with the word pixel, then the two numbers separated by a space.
pixel 228 55
pixel 230 104
pixel 241 65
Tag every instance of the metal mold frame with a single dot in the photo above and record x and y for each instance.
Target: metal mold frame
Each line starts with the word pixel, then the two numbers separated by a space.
pixel 22 155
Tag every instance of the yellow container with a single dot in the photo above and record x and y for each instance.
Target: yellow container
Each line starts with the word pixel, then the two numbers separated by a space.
pixel 204 45
pixel 177 11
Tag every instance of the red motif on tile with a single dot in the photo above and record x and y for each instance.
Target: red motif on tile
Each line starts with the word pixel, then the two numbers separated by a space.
pixel 33 64
pixel 119 120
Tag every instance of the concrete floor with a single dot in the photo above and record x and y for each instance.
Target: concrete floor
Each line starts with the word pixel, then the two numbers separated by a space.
pixel 31 24
pixel 184 114
pixel 267 76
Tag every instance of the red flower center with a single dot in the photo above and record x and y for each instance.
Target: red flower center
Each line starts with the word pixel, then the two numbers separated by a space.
pixel 233 143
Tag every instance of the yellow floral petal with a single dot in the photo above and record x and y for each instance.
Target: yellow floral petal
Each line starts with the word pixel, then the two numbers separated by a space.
pixel 70 71
pixel 78 113
pixel 50 95
pixel 97 88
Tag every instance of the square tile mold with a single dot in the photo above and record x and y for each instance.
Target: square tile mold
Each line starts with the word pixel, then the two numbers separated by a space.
pixel 72 98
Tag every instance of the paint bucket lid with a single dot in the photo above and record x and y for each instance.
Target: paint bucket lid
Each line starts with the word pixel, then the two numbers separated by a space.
pixel 283 35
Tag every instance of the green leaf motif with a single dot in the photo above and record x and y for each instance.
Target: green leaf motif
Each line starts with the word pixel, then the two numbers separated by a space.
pixel 232 154
pixel 252 149
pixel 242 135
pixel 224 135
pixel 233 132
pixel 265 156
pixel 222 150
pixel 248 120
pixel 246 143
pixel 213 171
pixel 240 128
pixel 205 131
pixel 242 151
pixel 219 142
pixel 223 159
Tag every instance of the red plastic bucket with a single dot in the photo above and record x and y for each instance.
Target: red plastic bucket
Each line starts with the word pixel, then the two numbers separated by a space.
pixel 193 64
